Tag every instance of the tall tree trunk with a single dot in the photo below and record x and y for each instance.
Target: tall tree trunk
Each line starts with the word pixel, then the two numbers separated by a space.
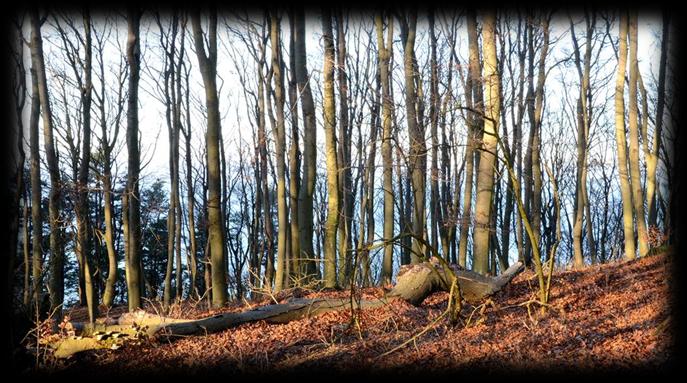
pixel 190 195
pixel 134 272
pixel 621 141
pixel 332 223
pixel 387 105
pixel 280 148
pixel 580 202
pixel 344 155
pixel 82 244
pixel 36 192
pixel 635 177
pixel 485 174
pixel 434 121
pixel 107 147
pixel 26 216
pixel 652 156
pixel 307 190
pixel 208 69
pixel 417 158
pixel 474 101
pixel 294 157
pixel 266 201
pixel 56 256
pixel 536 117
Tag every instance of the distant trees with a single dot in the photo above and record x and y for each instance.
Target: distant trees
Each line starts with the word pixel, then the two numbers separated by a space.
pixel 478 92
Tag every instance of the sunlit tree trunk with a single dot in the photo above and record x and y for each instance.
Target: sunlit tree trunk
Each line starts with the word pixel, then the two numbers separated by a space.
pixel 171 81
pixel 307 189
pixel 108 139
pixel 266 200
pixel 652 155
pixel 434 122
pixel 387 105
pixel 485 173
pixel 621 141
pixel 536 118
pixel 344 154
pixel 280 148
pixel 190 194
pixel 474 102
pixel 208 69
pixel 82 224
pixel 635 177
pixel 581 205
pixel 56 283
pixel 332 223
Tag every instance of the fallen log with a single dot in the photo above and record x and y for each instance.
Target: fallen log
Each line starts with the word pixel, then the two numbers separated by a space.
pixel 414 284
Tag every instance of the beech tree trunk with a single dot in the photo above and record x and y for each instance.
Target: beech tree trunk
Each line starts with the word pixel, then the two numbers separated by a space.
pixel 332 223
pixel 307 187
pixel 132 225
pixel 54 205
pixel 485 172
pixel 387 105
pixel 621 140
pixel 208 68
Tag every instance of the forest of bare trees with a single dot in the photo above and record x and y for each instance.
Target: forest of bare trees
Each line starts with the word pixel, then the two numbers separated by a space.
pixel 218 155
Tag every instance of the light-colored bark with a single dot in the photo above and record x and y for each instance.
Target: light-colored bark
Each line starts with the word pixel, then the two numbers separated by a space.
pixel 307 190
pixel 635 177
pixel 582 136
pixel 344 155
pixel 56 282
pixel 108 138
pixel 190 193
pixel 621 141
pixel 387 105
pixel 485 174
pixel 536 118
pixel 652 154
pixel 434 101
pixel 279 132
pixel 208 68
pixel 474 102
pixel 332 222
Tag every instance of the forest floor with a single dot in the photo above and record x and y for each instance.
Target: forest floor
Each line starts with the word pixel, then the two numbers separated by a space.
pixel 611 317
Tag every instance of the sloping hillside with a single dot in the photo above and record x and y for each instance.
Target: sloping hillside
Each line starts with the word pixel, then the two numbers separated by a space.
pixel 612 316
